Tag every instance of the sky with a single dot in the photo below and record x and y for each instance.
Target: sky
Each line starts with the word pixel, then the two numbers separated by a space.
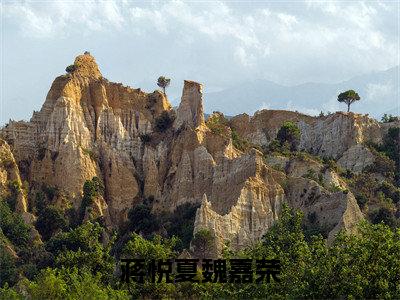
pixel 218 43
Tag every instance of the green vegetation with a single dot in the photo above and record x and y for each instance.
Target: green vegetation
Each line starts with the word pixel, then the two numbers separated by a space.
pixel 289 133
pixel 91 189
pixel 70 69
pixel 15 189
pixel 348 97
pixel 12 226
pixel 163 82
pixel 218 124
pixel 287 142
pixel 163 122
pixel 90 153
pixel 49 221
pixel 389 118
pixel 203 242
pixel 238 142
pixel 80 265
pixel 388 155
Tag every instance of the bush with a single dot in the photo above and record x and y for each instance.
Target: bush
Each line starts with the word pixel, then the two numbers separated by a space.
pixel 142 220
pixel 382 165
pixel 289 132
pixel 204 243
pixel 91 188
pixel 70 69
pixel 218 124
pixel 238 142
pixel 389 118
pixel 9 272
pixel 385 216
pixel 13 227
pixel 362 200
pixel 50 220
pixel 390 191
pixel 15 190
pixel 164 121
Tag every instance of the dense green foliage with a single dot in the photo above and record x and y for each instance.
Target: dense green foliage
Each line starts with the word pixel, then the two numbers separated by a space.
pixel 50 220
pixel 12 226
pixel 289 133
pixel 91 188
pixel 366 265
pixel 389 118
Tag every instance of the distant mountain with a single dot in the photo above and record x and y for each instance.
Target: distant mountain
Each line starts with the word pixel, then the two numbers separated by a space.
pixel 379 92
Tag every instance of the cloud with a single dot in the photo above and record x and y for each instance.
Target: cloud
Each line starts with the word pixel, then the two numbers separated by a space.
pixel 221 43
pixel 53 19
pixel 376 92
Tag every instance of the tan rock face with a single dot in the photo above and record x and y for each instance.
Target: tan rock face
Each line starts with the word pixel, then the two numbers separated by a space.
pixel 9 175
pixel 247 215
pixel 356 158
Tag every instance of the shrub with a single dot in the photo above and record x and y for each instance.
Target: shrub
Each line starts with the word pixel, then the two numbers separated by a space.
pixel 238 142
pixel 362 200
pixel 142 220
pixel 217 123
pixel 289 132
pixel 390 191
pixel 13 227
pixel 204 243
pixel 50 220
pixel 70 69
pixel 15 190
pixel 50 191
pixel 389 118
pixel 382 165
pixel 164 121
pixel 384 215
pixel 91 189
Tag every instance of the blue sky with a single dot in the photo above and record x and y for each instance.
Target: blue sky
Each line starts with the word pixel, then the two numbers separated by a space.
pixel 218 43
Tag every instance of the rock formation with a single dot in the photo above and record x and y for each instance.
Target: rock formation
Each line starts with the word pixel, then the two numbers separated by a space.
pixel 90 127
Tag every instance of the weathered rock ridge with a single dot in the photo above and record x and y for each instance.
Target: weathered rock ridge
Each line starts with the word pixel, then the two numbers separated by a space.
pixel 91 127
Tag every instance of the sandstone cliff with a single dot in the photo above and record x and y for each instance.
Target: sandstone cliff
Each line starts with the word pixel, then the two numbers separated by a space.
pixel 141 149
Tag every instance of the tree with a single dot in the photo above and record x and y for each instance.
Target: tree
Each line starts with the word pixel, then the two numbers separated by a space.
pixel 50 220
pixel 163 82
pixel 389 118
pixel 290 133
pixel 203 243
pixel 348 97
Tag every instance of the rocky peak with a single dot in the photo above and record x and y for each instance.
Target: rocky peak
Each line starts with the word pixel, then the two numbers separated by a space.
pixel 86 66
pixel 190 111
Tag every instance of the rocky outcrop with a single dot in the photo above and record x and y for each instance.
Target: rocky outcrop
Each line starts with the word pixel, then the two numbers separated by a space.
pixel 90 127
pixel 253 206
pixel 11 187
pixel 331 211
pixel 87 127
pixel 356 158
pixel 328 136
pixel 190 111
